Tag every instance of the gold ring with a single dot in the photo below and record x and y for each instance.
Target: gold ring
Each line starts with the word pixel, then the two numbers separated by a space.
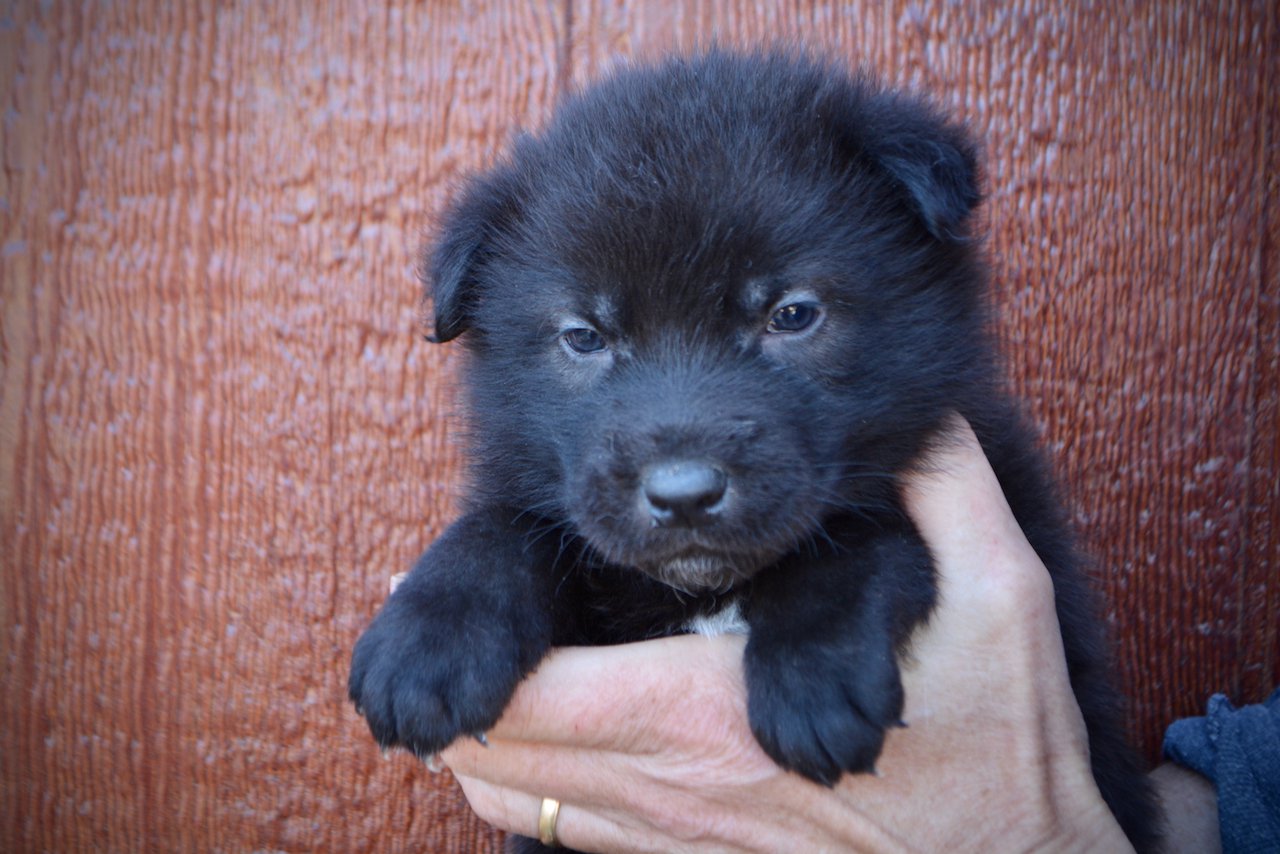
pixel 547 822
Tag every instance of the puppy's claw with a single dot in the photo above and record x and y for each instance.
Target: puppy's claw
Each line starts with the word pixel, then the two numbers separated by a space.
pixel 435 764
pixel 481 737
pixel 901 723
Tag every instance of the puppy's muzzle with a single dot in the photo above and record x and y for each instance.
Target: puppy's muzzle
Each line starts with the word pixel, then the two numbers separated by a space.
pixel 683 493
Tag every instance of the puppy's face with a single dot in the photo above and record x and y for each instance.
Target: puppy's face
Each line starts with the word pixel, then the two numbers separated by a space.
pixel 701 326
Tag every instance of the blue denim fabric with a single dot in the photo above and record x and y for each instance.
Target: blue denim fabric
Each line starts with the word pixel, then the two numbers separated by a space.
pixel 1239 751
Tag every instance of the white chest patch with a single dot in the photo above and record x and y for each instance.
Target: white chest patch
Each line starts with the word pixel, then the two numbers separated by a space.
pixel 727 621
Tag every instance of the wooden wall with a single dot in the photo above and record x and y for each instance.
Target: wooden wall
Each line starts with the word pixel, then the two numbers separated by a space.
pixel 220 431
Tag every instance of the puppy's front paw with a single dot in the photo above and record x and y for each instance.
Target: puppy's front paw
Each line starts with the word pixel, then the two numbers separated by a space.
pixel 422 677
pixel 822 712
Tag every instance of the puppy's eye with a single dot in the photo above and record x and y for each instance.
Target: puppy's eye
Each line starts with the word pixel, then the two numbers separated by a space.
pixel 583 340
pixel 796 317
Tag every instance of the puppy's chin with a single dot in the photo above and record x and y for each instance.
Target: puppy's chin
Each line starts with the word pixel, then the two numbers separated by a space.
pixel 700 573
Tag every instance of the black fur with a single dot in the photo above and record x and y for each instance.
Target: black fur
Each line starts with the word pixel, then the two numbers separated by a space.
pixel 656 434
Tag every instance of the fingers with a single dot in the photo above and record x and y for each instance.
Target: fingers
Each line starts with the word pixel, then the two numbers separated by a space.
pixel 783 821
pixel 602 697
pixel 960 509
pixel 954 497
pixel 586 777
pixel 642 705
pixel 581 829
pixel 995 632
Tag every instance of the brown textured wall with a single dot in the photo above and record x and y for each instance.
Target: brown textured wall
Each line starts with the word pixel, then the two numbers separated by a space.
pixel 219 431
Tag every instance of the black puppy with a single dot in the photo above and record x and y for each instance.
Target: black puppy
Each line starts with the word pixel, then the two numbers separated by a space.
pixel 714 310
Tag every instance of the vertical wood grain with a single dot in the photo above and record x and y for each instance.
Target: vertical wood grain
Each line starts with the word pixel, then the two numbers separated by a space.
pixel 220 431
pixel 1259 595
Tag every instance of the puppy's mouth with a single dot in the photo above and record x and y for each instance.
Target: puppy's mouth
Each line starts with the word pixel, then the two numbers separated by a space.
pixel 698 572
pixel 696 562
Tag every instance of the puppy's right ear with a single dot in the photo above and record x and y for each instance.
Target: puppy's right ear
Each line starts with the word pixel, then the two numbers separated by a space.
pixel 452 270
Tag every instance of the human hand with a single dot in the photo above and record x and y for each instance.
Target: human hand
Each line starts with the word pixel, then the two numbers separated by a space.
pixel 647 745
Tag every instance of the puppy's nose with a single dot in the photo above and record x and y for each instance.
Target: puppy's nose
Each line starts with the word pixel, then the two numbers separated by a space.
pixel 684 493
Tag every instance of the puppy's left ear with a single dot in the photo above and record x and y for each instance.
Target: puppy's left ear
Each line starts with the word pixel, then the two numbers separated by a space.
pixel 935 164
pixel 930 160
pixel 453 268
